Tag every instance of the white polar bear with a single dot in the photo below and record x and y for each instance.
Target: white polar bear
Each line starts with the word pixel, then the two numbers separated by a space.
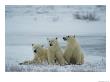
pixel 55 53
pixel 73 53
pixel 40 55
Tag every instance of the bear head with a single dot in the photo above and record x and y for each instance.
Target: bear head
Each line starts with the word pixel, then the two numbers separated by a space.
pixel 37 47
pixel 52 41
pixel 69 38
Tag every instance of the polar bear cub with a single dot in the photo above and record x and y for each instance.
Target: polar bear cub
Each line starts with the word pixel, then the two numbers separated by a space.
pixel 40 55
pixel 54 52
pixel 73 53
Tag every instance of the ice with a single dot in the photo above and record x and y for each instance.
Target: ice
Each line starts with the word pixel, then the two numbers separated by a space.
pixel 34 24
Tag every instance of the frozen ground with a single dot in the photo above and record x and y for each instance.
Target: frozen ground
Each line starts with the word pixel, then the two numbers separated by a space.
pixel 28 24
pixel 93 47
pixel 97 66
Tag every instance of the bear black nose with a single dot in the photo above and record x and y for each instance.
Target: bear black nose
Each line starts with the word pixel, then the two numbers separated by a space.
pixel 64 38
pixel 35 51
pixel 50 44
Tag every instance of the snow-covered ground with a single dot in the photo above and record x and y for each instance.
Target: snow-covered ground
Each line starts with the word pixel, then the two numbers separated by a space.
pixel 29 24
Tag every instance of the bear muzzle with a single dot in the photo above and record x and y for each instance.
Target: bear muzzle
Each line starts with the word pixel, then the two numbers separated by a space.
pixel 50 44
pixel 64 38
pixel 35 51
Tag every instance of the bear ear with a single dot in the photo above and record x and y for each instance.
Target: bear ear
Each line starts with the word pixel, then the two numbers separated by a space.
pixel 32 44
pixel 56 38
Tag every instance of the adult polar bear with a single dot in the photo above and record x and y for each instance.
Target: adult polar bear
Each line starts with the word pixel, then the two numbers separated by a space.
pixel 73 53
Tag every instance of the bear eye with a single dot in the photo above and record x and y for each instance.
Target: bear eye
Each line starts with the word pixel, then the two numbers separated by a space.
pixel 68 36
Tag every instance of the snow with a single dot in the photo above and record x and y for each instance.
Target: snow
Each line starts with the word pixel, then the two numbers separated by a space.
pixel 97 66
pixel 33 24
pixel 57 17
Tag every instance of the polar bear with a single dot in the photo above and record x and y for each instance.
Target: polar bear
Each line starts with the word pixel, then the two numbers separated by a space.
pixel 73 53
pixel 40 55
pixel 55 53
